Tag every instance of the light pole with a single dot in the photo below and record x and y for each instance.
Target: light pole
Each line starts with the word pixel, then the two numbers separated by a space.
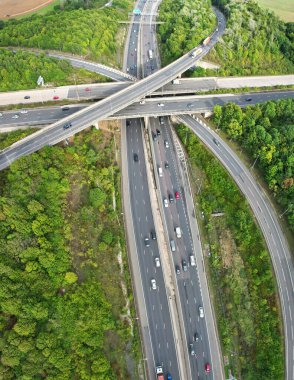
pixel 252 166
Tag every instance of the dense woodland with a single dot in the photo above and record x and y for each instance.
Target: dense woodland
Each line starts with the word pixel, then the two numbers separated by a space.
pixel 62 306
pixel 185 24
pixel 266 131
pixel 21 70
pixel 240 271
pixel 92 33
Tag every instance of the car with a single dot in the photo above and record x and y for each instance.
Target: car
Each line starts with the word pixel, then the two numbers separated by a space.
pixel 154 136
pixel 166 165
pixel 184 265
pixel 177 195
pixel 128 69
pixel 161 120
pixel 171 198
pixel 189 105
pixel 136 157
pixel 160 173
pixel 15 117
pixel 191 349
pixel 165 202
pixel 55 97
pixel 157 262
pixel 207 367
pixel 201 312
pixel 192 260
pixel 158 132
pixel 65 109
pixel 173 245
pixel 67 125
pixel 216 141
pixel 27 97
pixel 178 270
pixel 166 144
pixel 142 102
pixel 153 284
pixel 248 99
pixel 152 67
pixel 160 104
pixel 128 123
pixel 23 111
pixel 153 235
pixel 87 89
pixel 134 30
pixel 147 242
pixel 178 232
pixel 169 376
pixel 196 337
pixel 1 114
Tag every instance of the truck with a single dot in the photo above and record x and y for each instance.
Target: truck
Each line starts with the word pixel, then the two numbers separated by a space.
pixel 150 54
pixel 206 41
pixel 194 53
pixel 159 373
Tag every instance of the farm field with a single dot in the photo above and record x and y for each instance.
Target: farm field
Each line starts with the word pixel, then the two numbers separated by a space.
pixel 13 8
pixel 283 8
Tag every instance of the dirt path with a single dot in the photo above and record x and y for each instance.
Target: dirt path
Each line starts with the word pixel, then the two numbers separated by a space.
pixel 12 8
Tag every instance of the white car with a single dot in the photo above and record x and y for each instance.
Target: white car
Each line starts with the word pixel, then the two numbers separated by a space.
pixel 160 104
pixel 165 202
pixel 23 111
pixel 157 262
pixel 142 102
pixel 178 232
pixel 166 144
pixel 15 117
pixel 153 284
pixel 1 114
pixel 201 312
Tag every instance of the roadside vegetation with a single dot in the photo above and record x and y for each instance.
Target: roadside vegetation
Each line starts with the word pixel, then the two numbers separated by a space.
pixel 241 277
pixel 266 132
pixel 186 24
pixel 66 303
pixel 20 71
pixel 93 33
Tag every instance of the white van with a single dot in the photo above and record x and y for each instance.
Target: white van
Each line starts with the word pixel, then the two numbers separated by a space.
pixel 178 232
pixel 160 173
pixel 192 261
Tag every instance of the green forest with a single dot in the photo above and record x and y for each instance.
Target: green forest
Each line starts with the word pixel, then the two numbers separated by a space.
pixel 20 70
pixel 63 313
pixel 185 24
pixel 244 289
pixel 266 131
pixel 92 33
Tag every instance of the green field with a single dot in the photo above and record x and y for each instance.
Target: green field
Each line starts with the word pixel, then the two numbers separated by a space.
pixel 283 8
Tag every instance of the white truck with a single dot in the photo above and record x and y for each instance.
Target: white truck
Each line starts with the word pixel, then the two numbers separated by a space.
pixel 150 54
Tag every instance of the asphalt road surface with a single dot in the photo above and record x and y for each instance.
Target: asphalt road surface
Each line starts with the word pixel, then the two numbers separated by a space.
pixel 268 221
pixel 172 106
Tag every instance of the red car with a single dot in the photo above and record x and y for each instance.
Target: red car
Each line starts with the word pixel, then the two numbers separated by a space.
pixel 55 97
pixel 87 89
pixel 177 195
pixel 207 367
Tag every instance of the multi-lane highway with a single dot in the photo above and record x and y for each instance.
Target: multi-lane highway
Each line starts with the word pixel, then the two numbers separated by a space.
pixel 268 221
pixel 172 106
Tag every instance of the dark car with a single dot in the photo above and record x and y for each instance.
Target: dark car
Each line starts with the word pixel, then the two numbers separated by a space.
pixel 196 337
pixel 153 235
pixel 216 142
pixel 248 99
pixel 128 123
pixel 184 265
pixel 67 125
pixel 65 109
pixel 158 132
pixel 178 270
pixel 147 242
pixel 136 158
pixel 152 67
pixel 171 198
pixel 166 165
pixel 154 136
pixel 27 97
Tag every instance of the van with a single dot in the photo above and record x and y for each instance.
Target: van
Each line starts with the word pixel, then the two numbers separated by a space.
pixel 178 232
pixel 172 245
pixel 160 171
pixel 192 261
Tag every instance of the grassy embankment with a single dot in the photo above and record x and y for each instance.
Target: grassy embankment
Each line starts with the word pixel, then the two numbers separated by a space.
pixel 241 278
pixel 63 310
pixel 283 8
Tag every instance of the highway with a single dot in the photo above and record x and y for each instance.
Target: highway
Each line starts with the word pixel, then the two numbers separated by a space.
pixel 172 106
pixel 269 224
pixel 85 118
pixel 154 316
pixel 102 90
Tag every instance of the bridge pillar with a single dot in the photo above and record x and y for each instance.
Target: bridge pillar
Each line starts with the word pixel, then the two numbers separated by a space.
pixel 207 114
pixel 96 125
